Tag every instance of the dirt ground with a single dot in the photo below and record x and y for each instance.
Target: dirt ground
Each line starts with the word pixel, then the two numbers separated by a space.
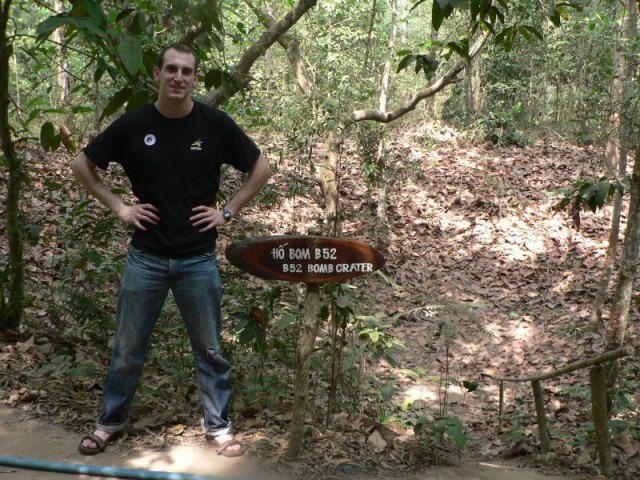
pixel 21 436
pixel 513 276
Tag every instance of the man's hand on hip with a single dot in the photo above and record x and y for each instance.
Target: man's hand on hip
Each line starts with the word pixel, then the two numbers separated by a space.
pixel 137 215
pixel 207 218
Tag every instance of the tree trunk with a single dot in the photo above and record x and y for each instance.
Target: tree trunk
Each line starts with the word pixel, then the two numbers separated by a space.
pixel 310 327
pixel 612 249
pixel 615 162
pixel 477 83
pixel 372 22
pixel 611 152
pixel 336 361
pixel 468 91
pixel 404 31
pixel 619 318
pixel 430 103
pixel 63 75
pixel 326 178
pixel 543 427
pixel 600 418
pixel 384 95
pixel 11 285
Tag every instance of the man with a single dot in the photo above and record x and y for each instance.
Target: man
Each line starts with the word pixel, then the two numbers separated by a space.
pixel 172 151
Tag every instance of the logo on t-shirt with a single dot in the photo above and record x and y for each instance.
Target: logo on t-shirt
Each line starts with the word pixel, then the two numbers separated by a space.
pixel 197 145
pixel 150 140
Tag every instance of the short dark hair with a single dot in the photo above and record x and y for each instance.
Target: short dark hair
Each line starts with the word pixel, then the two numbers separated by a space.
pixel 178 47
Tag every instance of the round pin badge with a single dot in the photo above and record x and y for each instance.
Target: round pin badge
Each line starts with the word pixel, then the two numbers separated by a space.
pixel 150 140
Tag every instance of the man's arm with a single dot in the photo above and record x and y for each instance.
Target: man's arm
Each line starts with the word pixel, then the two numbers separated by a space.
pixel 86 173
pixel 205 218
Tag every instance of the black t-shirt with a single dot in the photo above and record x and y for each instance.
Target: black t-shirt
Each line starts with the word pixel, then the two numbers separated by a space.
pixel 174 164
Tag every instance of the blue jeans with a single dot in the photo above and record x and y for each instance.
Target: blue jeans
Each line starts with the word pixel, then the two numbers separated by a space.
pixel 196 286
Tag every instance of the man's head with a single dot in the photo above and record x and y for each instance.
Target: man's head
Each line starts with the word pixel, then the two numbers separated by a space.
pixel 178 47
pixel 176 74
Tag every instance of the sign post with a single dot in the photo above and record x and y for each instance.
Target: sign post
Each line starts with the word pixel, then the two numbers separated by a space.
pixel 312 260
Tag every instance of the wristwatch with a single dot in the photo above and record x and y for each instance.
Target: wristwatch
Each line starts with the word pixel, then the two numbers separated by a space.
pixel 227 215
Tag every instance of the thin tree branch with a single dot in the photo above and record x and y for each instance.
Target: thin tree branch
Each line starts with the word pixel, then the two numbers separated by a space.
pixel 240 72
pixel 448 78
pixel 602 358
pixel 290 45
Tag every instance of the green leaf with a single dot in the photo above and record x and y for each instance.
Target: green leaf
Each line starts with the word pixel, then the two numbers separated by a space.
pixel 139 25
pixel 495 14
pixel 437 15
pixel 476 6
pixel 470 385
pixel 343 301
pixel 603 188
pixel 82 109
pixel 88 27
pixel 32 233
pixel 37 101
pixel 98 18
pixel 455 430
pixel 101 68
pixel 208 14
pixel 388 391
pixel 130 52
pixel 33 114
pixel 94 257
pixel 247 334
pixel 407 403
pixel 286 320
pixel 137 100
pixel 420 424
pixel 486 27
pixel 124 14
pixel 116 102
pixel 405 62
pixel 558 191
pixel 419 2
pixel 52 184
pixel 48 26
pixel 625 183
pixel 462 49
pixel 595 194
pixel 213 78
pixel 533 31
pixel 391 359
pixel 48 138
pixel 428 65
pixel 149 61
pixel 412 374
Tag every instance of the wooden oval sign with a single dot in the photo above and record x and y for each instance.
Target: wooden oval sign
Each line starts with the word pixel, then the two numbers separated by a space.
pixel 308 259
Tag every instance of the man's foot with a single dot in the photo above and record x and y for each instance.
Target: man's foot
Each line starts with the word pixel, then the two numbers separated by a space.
pixel 228 446
pixel 96 442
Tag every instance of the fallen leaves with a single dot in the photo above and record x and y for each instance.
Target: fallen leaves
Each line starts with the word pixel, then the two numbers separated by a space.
pixel 471 238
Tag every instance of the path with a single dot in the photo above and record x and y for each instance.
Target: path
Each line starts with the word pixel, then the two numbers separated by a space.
pixel 27 437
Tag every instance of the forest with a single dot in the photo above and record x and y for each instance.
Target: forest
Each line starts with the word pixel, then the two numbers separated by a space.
pixel 485 148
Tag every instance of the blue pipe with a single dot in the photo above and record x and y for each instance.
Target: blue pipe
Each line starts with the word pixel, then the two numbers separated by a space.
pixel 98 470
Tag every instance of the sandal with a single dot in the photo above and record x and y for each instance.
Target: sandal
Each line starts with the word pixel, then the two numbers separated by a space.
pixel 101 444
pixel 223 448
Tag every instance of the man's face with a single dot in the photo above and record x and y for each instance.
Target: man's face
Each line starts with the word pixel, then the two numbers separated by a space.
pixel 177 77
